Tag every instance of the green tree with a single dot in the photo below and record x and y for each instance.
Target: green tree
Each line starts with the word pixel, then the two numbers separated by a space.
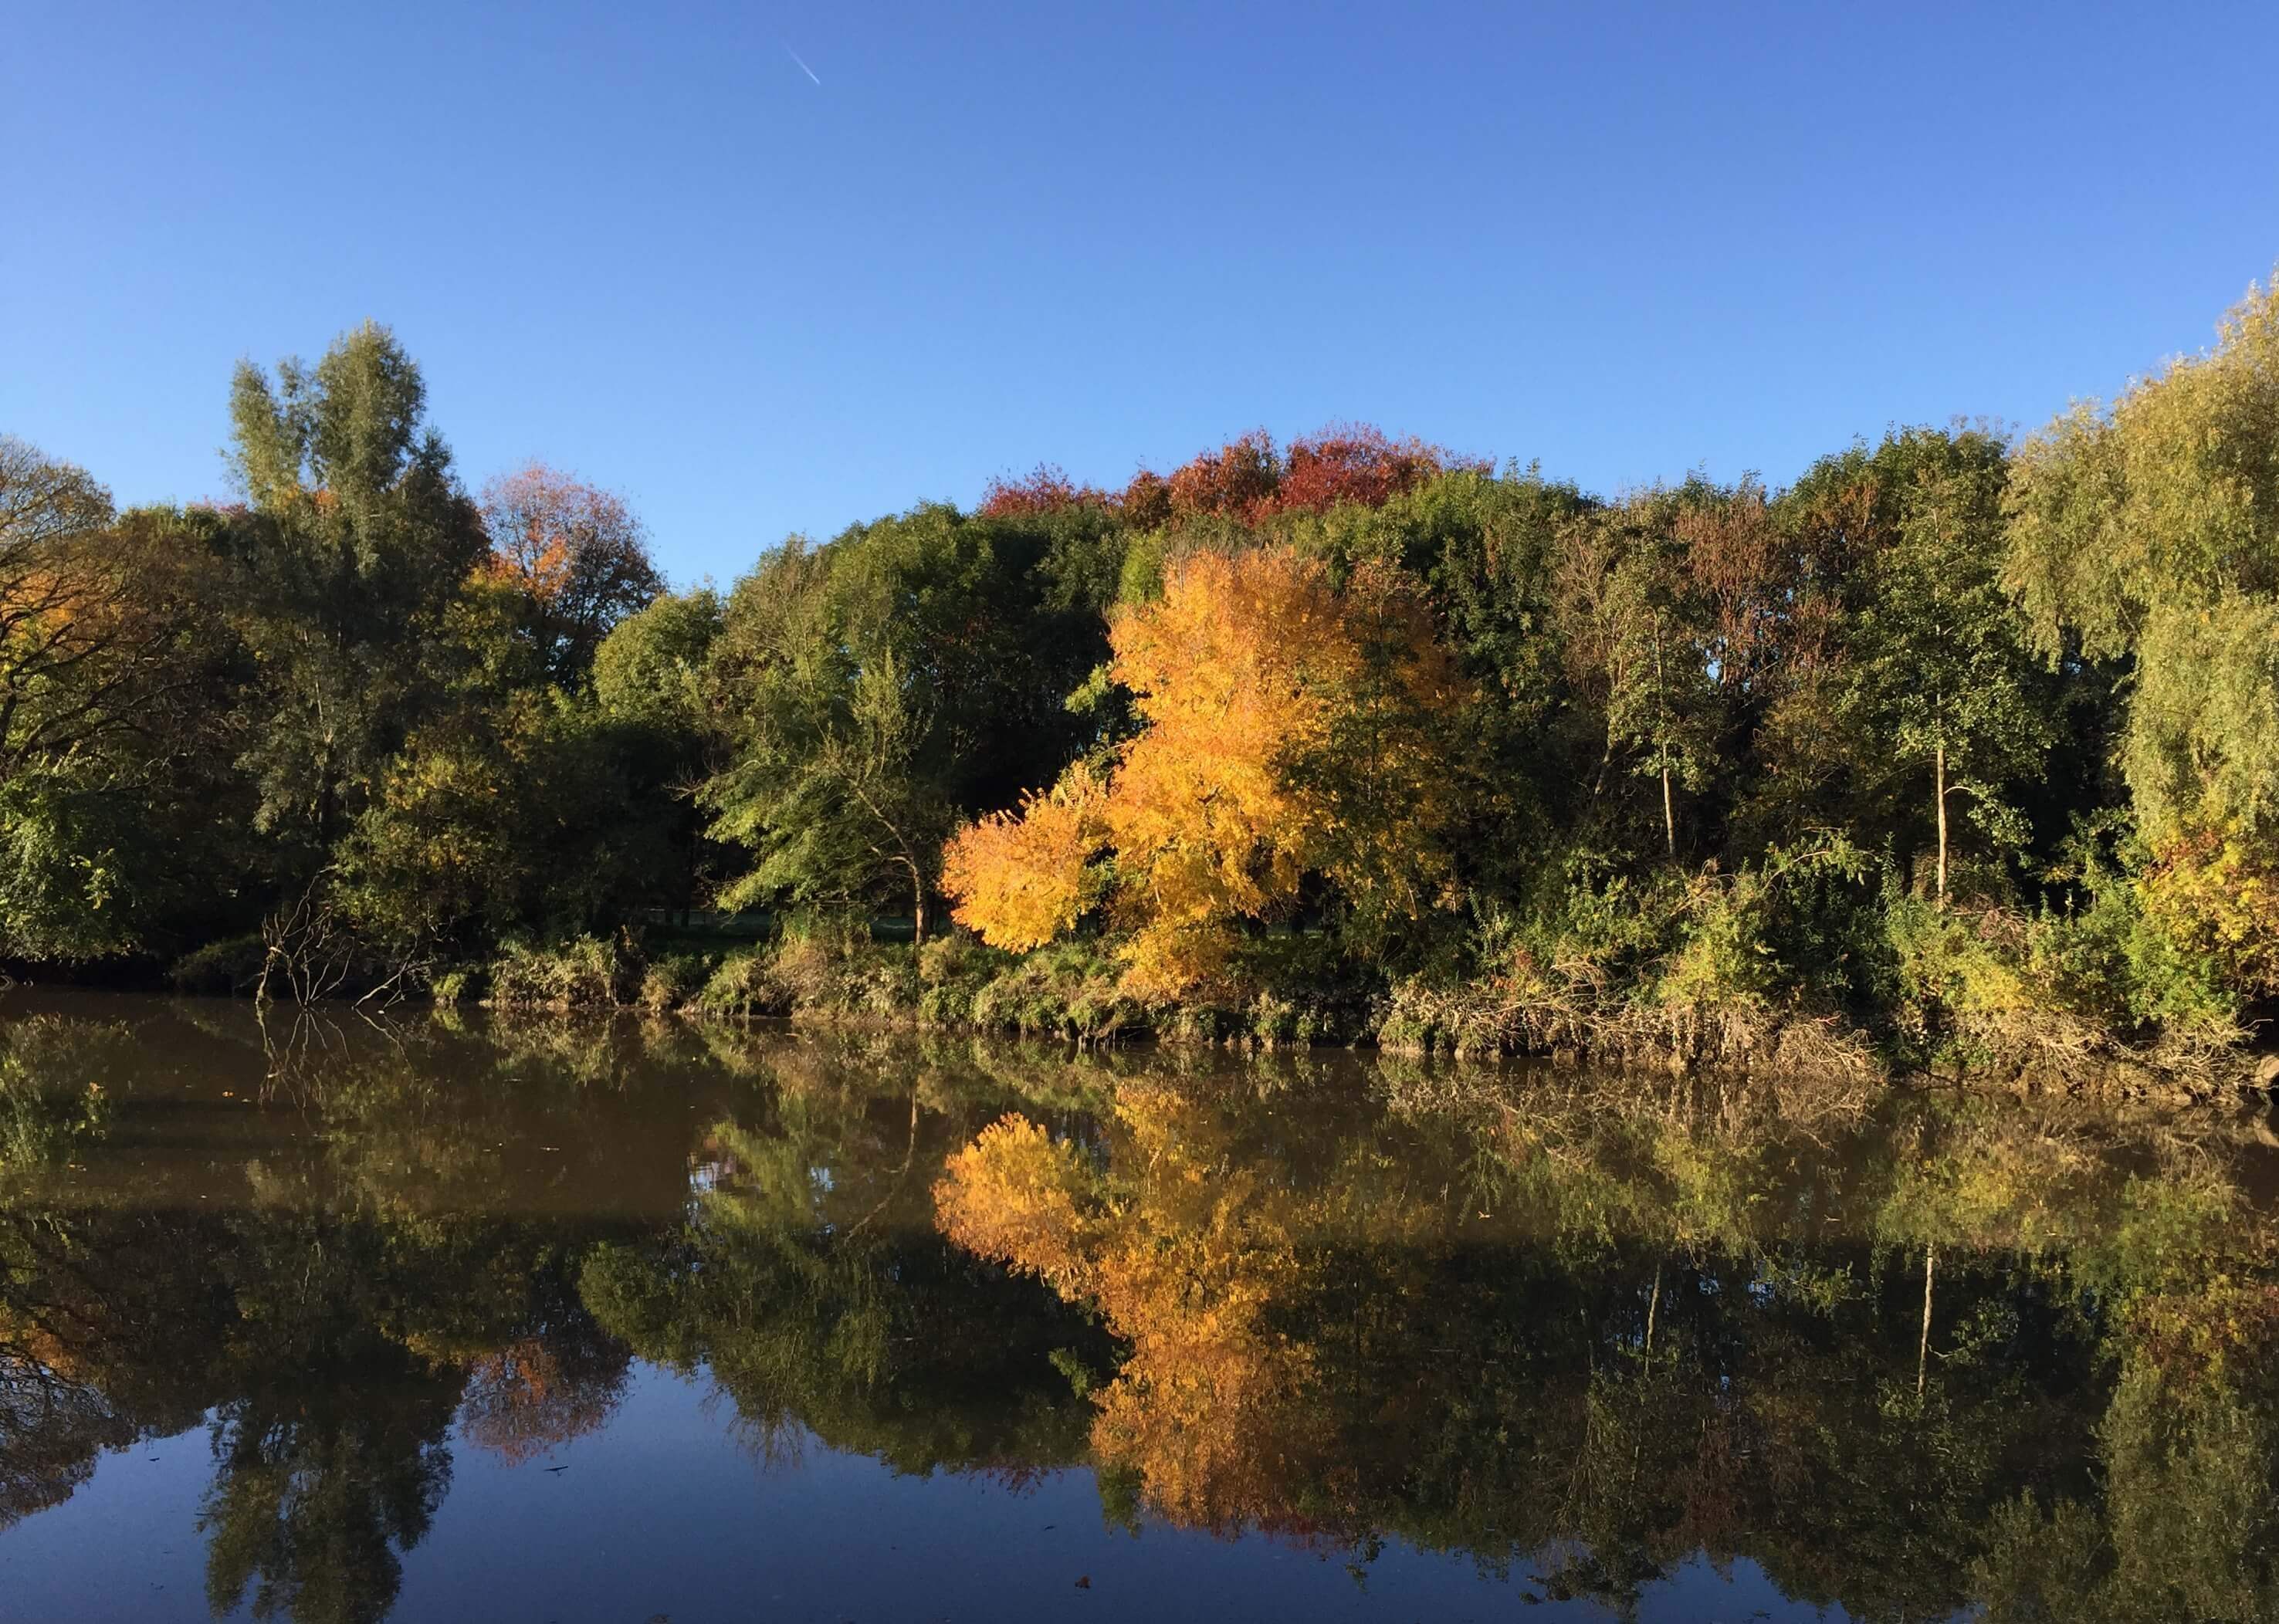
pixel 357 543
pixel 110 662
pixel 868 693
pixel 2148 532
pixel 1940 675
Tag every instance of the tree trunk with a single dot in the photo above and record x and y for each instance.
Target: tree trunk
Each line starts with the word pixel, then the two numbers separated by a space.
pixel 1923 1348
pixel 917 906
pixel 1941 785
pixel 1669 817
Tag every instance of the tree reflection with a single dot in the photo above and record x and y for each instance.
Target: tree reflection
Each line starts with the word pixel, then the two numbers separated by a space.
pixel 809 1283
pixel 1590 1338
pixel 315 1493
pixel 1910 1354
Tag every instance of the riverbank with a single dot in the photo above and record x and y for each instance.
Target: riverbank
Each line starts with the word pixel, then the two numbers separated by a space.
pixel 1967 1000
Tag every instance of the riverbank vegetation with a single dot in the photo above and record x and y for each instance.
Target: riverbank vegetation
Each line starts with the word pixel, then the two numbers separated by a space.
pixel 1962 749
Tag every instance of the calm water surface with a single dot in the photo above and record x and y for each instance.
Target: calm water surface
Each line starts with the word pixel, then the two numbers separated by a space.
pixel 335 1319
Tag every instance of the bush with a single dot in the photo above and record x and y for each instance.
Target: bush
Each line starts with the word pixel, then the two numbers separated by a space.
pixel 826 965
pixel 462 983
pixel 2002 988
pixel 1069 989
pixel 673 980
pixel 581 972
pixel 231 965
pixel 742 986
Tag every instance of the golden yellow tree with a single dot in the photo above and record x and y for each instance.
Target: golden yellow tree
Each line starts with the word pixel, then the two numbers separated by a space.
pixel 1026 876
pixel 1290 726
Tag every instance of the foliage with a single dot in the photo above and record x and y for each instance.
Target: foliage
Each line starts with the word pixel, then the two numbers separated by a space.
pixel 583 971
pixel 574 554
pixel 1340 737
pixel 2150 532
pixel 1287 728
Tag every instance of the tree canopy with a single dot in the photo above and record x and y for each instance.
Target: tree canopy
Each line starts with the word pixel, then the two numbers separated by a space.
pixel 1963 742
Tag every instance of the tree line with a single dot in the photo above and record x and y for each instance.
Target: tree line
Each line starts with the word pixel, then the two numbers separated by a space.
pixel 1964 740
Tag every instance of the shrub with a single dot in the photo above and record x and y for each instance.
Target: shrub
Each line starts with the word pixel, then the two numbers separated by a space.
pixel 463 984
pixel 584 970
pixel 742 986
pixel 673 980
pixel 231 965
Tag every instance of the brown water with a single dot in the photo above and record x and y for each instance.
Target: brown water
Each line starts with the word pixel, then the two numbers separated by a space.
pixel 343 1319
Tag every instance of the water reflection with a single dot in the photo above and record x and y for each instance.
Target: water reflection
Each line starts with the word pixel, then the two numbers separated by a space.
pixel 1909 1354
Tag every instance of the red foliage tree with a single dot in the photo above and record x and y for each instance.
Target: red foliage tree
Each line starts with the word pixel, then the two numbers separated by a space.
pixel 1145 503
pixel 1239 480
pixel 1356 463
pixel 1248 478
pixel 1045 489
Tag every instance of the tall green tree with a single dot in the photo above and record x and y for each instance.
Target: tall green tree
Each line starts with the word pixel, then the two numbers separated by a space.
pixel 356 544
pixel 2147 533
pixel 868 693
pixel 1940 675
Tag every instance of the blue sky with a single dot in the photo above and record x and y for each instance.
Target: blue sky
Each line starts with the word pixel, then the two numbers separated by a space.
pixel 641 242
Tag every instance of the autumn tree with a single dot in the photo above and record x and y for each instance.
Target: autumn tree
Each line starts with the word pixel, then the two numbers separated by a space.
pixel 1356 463
pixel 111 698
pixel 576 554
pixel 1045 489
pixel 1235 481
pixel 1286 728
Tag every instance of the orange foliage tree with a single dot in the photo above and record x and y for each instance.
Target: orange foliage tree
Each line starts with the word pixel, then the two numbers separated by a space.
pixel 1289 727
pixel 575 552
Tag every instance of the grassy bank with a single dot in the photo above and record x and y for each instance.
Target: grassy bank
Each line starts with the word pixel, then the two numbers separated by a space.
pixel 1707 975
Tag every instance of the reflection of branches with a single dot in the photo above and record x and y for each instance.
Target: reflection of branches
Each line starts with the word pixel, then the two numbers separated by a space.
pixel 314 1047
pixel 290 1069
pixel 900 1177
pixel 50 1432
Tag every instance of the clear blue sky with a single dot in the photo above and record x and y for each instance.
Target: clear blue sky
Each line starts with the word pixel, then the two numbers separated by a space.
pixel 639 240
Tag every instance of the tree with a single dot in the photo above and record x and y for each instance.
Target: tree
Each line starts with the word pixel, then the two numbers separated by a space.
pixel 109 664
pixel 1636 650
pixel 89 611
pixel 576 553
pixel 2149 533
pixel 357 543
pixel 868 694
pixel 1939 669
pixel 834 768
pixel 1286 728
pixel 650 667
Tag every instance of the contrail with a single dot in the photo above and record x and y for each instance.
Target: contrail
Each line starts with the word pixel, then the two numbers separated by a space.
pixel 802 66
